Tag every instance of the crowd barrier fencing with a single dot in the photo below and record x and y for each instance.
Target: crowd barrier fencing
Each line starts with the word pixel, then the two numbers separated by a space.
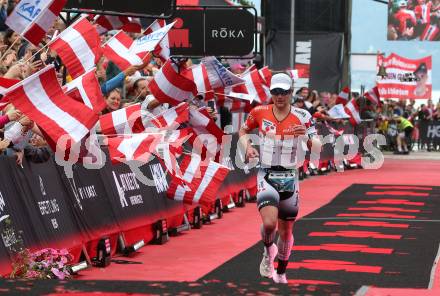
pixel 41 207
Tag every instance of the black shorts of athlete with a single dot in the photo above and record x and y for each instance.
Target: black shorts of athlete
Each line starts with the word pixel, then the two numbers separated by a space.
pixel 286 202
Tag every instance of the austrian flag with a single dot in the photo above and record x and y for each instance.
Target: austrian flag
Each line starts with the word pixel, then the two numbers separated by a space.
pixel 138 147
pixel 86 89
pixel 117 49
pixel 169 86
pixel 32 19
pixel 172 118
pixel 123 121
pixel 41 98
pixel 79 47
pixel 201 181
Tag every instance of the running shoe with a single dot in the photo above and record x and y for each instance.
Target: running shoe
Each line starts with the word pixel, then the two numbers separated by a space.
pixel 279 278
pixel 266 266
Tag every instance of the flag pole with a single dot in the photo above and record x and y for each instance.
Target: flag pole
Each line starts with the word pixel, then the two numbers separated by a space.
pixel 8 49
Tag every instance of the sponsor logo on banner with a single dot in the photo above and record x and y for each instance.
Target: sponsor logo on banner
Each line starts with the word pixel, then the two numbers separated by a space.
pixel 48 206
pixel 178 36
pixel 406 78
pixel 125 183
pixel 303 56
pixel 433 131
pixel 43 191
pixel 159 178
pixel 82 193
pixel 2 208
pixel 29 10
pixel 225 33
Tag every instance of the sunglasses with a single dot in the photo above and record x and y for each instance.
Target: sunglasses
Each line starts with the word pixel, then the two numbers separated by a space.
pixel 279 91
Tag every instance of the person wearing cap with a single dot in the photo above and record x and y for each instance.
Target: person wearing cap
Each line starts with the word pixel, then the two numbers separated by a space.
pixel 281 127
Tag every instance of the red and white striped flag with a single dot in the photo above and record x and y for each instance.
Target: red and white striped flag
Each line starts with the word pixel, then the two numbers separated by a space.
pixel 373 96
pixel 117 49
pixel 218 75
pixel 343 96
pixel 172 118
pixel 148 43
pixel 32 19
pixel 199 75
pixel 6 83
pixel 124 23
pixel 254 86
pixel 86 89
pixel 42 99
pixel 123 121
pixel 162 50
pixel 207 137
pixel 352 109
pixel 79 46
pixel 266 75
pixel 293 74
pixel 430 33
pixel 201 181
pixel 172 148
pixel 171 87
pixel 251 68
pixel 138 147
pixel 203 124
pixel 234 101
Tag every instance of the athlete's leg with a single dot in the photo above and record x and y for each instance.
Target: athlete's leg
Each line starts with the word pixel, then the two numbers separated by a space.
pixel 267 202
pixel 288 210
pixel 285 243
pixel 269 217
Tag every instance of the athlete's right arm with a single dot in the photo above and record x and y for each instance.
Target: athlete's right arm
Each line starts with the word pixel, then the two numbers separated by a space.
pixel 244 142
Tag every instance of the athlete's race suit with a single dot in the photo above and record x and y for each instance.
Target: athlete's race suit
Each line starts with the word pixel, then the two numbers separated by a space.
pixel 277 178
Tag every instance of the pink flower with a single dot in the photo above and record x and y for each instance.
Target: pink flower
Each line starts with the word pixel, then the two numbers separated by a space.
pixel 59 274
pixel 64 252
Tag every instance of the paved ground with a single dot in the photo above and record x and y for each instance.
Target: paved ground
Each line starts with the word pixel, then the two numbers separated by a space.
pixel 418 155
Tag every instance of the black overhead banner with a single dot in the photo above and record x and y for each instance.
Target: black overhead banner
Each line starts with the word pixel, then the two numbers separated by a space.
pixel 162 8
pixel 318 57
pixel 204 31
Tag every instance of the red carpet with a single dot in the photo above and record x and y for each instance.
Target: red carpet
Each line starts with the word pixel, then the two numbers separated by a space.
pixel 197 252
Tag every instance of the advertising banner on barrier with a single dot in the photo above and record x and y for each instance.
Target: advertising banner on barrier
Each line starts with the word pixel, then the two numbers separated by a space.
pixel 430 132
pixel 15 229
pixel 137 197
pixel 406 78
pixel 240 176
pixel 43 196
pixel 90 202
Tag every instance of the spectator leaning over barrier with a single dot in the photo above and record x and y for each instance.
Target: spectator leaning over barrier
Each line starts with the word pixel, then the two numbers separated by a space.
pixel 405 128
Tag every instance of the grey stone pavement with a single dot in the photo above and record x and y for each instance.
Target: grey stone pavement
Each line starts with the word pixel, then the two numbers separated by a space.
pixel 417 155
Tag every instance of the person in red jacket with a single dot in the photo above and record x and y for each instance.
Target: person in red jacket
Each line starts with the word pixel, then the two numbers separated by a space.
pixel 423 12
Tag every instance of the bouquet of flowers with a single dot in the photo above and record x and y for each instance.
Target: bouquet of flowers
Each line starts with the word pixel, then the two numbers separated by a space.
pixel 44 264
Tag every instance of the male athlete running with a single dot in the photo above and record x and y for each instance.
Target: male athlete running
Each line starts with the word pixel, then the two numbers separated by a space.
pixel 279 125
